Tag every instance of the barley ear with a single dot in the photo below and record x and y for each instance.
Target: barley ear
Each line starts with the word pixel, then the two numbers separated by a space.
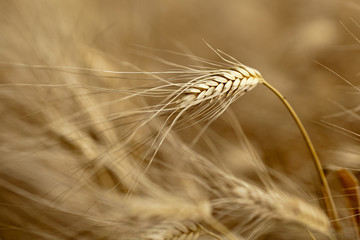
pixel 328 199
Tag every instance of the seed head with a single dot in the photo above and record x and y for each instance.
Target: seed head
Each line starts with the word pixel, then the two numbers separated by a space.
pixel 222 84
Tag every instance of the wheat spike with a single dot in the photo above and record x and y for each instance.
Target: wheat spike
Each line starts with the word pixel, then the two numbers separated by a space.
pixel 222 84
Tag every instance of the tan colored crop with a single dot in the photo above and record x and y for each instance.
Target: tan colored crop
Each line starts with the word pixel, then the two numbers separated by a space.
pixel 223 84
pixel 176 230
pixel 261 208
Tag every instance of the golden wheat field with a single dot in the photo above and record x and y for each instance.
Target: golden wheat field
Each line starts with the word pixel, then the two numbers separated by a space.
pixel 159 120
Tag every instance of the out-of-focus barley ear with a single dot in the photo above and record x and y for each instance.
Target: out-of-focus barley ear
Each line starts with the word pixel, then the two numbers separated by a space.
pixel 251 211
pixel 171 230
pixel 328 199
pixel 259 209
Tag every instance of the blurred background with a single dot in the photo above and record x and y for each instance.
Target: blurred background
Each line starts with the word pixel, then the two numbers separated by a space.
pixel 297 45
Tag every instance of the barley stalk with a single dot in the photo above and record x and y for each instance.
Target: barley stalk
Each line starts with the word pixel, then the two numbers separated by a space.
pixel 329 201
pixel 351 191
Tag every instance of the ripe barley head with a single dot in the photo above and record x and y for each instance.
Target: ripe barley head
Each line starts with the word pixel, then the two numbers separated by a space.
pixel 221 84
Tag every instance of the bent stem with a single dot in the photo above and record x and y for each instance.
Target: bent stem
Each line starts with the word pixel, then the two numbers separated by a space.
pixel 329 201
